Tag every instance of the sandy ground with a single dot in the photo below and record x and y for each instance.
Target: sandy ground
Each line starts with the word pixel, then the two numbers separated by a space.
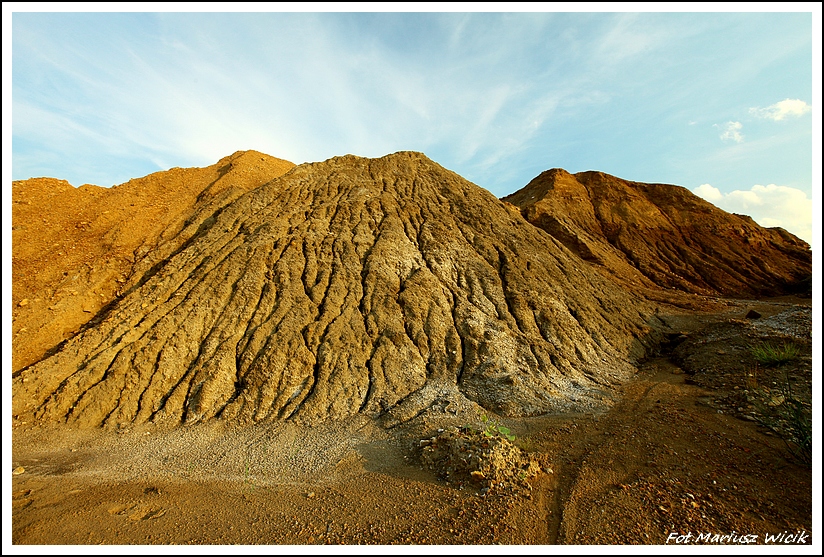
pixel 667 463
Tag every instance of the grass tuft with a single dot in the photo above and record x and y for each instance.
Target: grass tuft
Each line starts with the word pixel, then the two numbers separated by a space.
pixel 771 355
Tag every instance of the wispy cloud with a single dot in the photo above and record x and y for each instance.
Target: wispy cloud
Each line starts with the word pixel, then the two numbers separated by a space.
pixel 627 38
pixel 769 206
pixel 496 97
pixel 731 130
pixel 781 110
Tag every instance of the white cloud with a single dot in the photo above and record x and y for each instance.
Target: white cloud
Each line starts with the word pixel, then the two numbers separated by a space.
pixel 731 130
pixel 782 109
pixel 708 192
pixel 769 206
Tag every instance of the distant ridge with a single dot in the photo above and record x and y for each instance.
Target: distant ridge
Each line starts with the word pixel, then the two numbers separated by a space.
pixel 654 236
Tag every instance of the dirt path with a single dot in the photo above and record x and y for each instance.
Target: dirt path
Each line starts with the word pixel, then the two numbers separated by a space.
pixel 665 461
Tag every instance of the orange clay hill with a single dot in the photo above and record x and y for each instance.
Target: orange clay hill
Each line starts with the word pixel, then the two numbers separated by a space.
pixel 662 240
pixel 76 250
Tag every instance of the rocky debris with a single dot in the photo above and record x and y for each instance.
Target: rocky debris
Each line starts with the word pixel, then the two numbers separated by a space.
pixel 483 458
pixel 794 323
pixel 76 250
pixel 371 286
pixel 723 358
pixel 652 236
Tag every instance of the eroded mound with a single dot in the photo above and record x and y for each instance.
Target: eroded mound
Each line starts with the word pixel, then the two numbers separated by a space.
pixel 373 286
pixel 647 236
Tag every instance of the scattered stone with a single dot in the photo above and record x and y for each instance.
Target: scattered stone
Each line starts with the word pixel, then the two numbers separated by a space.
pixel 752 314
pixel 19 470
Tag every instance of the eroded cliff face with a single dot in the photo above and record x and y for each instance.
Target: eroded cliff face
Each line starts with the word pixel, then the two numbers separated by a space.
pixel 376 286
pixel 648 236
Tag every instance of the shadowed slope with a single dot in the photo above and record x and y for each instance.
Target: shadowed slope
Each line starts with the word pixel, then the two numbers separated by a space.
pixel 380 286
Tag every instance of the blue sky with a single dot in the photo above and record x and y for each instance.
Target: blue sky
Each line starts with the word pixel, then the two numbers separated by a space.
pixel 725 104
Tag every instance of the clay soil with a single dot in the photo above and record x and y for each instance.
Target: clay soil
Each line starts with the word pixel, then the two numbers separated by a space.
pixel 681 451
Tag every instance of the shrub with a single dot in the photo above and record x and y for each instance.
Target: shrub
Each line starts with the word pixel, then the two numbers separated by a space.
pixel 493 428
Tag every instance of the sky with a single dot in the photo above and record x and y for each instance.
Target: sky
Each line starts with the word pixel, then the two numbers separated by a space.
pixel 723 103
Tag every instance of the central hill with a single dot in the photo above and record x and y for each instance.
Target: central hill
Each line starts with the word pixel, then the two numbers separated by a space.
pixel 376 286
